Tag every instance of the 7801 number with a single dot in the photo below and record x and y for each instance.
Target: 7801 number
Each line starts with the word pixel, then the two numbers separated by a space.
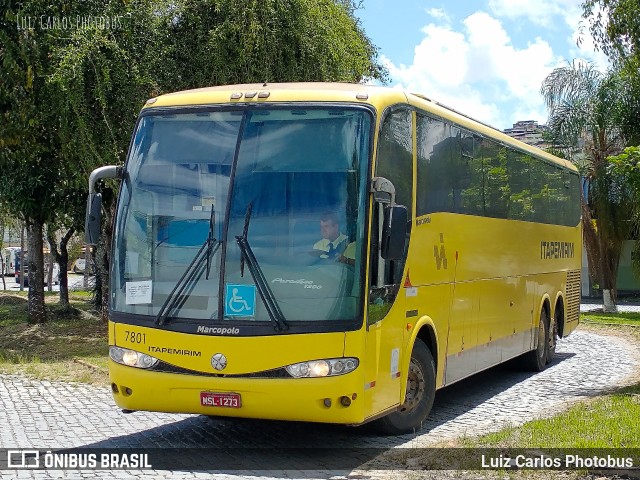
pixel 135 337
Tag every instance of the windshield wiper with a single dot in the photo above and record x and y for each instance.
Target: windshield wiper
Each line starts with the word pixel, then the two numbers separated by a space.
pixel 211 239
pixel 192 273
pixel 269 300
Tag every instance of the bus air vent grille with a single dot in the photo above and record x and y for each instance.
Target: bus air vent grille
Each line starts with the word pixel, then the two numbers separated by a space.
pixel 573 295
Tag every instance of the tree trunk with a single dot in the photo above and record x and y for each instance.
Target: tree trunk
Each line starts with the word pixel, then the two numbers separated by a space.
pixel 610 252
pixel 608 305
pixel 22 250
pixel 591 244
pixel 49 272
pixel 105 285
pixel 62 259
pixel 4 282
pixel 103 260
pixel 37 311
pixel 603 246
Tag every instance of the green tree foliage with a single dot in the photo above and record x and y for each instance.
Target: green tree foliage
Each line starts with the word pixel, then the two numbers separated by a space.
pixel 626 168
pixel 227 42
pixel 586 115
pixel 615 26
pixel 30 158
pixel 70 93
pixel 106 74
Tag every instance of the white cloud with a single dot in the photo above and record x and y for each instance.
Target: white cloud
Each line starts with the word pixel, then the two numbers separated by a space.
pixel 586 48
pixel 439 14
pixel 539 12
pixel 545 13
pixel 479 71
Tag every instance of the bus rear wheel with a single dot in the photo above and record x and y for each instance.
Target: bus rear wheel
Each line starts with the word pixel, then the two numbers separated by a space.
pixel 553 339
pixel 419 397
pixel 536 359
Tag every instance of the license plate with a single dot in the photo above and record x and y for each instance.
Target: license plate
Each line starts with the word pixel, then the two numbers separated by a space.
pixel 228 400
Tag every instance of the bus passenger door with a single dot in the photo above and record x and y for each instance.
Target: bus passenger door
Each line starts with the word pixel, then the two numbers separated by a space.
pixel 385 333
pixel 386 308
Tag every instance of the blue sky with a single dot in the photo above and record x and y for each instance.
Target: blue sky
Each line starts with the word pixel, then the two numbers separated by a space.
pixel 486 58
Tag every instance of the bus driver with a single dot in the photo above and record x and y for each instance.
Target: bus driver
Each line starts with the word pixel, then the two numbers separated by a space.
pixel 333 243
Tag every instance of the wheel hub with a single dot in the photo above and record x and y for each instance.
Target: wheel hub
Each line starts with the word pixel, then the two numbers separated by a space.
pixel 415 387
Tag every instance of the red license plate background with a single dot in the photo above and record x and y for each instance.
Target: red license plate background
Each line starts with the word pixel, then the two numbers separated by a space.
pixel 228 400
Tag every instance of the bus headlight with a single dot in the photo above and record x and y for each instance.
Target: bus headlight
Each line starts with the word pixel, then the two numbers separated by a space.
pixel 322 368
pixel 131 358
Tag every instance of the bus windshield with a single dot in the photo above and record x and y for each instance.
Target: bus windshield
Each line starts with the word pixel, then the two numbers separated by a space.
pixel 204 189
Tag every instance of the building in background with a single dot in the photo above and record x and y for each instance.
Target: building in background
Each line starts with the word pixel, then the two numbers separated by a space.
pixel 11 237
pixel 529 132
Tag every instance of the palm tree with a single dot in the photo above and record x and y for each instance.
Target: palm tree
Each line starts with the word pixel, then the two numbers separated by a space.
pixel 586 109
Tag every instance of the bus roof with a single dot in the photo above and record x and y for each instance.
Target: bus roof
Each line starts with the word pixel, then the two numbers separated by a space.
pixel 378 97
pixel 279 92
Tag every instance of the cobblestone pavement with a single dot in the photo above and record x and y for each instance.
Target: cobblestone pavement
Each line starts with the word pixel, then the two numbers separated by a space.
pixel 42 414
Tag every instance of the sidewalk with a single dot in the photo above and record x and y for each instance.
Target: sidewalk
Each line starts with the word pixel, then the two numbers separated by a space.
pixel 595 304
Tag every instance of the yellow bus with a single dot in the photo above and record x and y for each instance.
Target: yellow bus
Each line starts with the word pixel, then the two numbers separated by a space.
pixel 330 253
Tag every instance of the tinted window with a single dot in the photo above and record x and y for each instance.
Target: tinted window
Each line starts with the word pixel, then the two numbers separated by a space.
pixel 394 162
pixel 395 155
pixel 460 173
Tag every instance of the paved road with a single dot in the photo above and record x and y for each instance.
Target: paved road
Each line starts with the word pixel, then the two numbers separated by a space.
pixel 41 414
pixel 75 282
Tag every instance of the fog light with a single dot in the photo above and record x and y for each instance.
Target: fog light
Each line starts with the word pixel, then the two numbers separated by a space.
pixel 345 401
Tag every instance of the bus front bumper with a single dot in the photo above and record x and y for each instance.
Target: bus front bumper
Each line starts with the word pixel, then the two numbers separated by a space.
pixel 328 400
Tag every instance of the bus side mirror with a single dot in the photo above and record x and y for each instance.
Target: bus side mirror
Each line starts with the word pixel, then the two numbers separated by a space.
pixel 394 232
pixel 94 202
pixel 93 217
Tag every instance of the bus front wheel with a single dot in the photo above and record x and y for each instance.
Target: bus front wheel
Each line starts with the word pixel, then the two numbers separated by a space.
pixel 420 394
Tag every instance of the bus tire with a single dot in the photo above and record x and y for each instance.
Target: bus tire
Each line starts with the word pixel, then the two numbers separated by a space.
pixel 552 340
pixel 536 359
pixel 421 391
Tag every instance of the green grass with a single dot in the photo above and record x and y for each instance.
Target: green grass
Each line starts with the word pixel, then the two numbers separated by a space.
pixel 611 420
pixel 626 318
pixel 51 350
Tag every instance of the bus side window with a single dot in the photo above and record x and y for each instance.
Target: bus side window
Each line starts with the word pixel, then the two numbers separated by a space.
pixel 394 162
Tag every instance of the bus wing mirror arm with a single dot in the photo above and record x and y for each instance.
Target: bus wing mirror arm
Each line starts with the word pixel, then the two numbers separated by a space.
pixel 94 202
pixel 394 232
pixel 383 191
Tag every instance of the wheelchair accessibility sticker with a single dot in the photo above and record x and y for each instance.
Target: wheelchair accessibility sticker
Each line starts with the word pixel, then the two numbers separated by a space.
pixel 240 300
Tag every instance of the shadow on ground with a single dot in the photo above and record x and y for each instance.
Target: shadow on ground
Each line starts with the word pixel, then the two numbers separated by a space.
pixel 201 443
